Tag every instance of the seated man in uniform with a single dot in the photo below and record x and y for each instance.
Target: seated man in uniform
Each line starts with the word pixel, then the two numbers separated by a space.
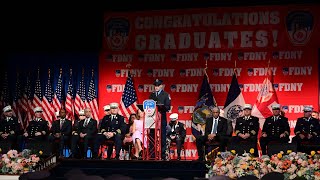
pixel 60 131
pixel 87 131
pixel 216 129
pixel 37 129
pixel 307 129
pixel 247 128
pixel 176 132
pixel 275 128
pixel 112 127
pixel 10 128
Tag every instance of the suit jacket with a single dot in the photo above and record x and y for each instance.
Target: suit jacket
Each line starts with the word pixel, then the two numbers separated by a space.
pixel 12 126
pixel 162 98
pixel 117 125
pixel 307 127
pixel 221 129
pixel 37 126
pixel 65 130
pixel 275 128
pixel 90 129
pixel 250 126
pixel 178 130
pixel 75 127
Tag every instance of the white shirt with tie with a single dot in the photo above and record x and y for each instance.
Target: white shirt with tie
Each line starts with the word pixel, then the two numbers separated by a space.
pixel 86 122
pixel 214 125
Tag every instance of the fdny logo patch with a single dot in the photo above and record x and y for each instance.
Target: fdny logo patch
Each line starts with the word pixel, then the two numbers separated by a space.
pixel 116 31
pixel 299 26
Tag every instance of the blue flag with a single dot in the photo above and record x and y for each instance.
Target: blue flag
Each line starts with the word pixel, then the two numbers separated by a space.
pixel 205 98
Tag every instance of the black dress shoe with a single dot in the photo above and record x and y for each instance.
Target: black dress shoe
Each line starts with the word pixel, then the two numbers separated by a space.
pixel 134 158
pixel 179 158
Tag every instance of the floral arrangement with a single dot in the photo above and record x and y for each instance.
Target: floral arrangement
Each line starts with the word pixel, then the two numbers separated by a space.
pixel 17 163
pixel 292 165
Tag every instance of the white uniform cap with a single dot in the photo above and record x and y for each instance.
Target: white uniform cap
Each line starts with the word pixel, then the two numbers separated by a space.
pixel 106 107
pixel 37 109
pixel 114 105
pixel 307 109
pixel 247 106
pixel 81 112
pixel 174 117
pixel 275 106
pixel 7 108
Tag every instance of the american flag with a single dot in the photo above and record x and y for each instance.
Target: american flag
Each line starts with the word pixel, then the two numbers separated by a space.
pixel 69 99
pixel 48 111
pixel 56 103
pixel 92 98
pixel 26 102
pixel 17 101
pixel 4 98
pixel 128 103
pixel 80 98
pixel 37 96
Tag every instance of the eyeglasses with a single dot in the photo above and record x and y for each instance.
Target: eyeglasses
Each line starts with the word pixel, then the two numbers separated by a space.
pixel 82 115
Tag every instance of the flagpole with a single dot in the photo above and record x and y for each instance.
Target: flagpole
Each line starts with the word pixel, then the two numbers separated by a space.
pixel 205 70
pixel 129 67
pixel 235 66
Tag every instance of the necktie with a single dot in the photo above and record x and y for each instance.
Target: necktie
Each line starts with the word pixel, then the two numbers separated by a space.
pixel 215 126
pixel 85 123
pixel 61 123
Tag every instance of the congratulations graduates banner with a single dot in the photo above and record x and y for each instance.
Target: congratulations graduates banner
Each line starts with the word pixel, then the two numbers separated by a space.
pixel 174 45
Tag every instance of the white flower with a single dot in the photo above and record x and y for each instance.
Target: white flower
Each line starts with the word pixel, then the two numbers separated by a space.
pixel 292 176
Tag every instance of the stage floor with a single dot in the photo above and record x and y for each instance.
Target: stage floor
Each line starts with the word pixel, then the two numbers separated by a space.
pixel 136 169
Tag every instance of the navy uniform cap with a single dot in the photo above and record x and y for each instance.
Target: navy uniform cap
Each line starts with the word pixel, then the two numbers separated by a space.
pixel 157 82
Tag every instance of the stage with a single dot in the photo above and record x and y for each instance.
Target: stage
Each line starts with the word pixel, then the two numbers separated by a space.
pixel 136 169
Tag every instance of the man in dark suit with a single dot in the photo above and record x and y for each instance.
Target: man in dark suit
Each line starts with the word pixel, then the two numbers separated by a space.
pixel 161 97
pixel 275 128
pixel 307 128
pixel 112 127
pixel 87 131
pixel 10 128
pixel 176 132
pixel 215 131
pixel 60 133
pixel 247 128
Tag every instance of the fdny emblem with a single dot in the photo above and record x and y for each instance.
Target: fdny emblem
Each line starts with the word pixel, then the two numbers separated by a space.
pixel 299 26
pixel 116 31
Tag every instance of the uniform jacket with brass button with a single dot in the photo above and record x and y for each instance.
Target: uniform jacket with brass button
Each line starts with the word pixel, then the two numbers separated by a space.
pixel 273 128
pixel 12 126
pixel 116 125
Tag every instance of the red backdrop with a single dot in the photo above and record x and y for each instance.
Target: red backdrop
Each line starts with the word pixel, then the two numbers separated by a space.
pixel 173 45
